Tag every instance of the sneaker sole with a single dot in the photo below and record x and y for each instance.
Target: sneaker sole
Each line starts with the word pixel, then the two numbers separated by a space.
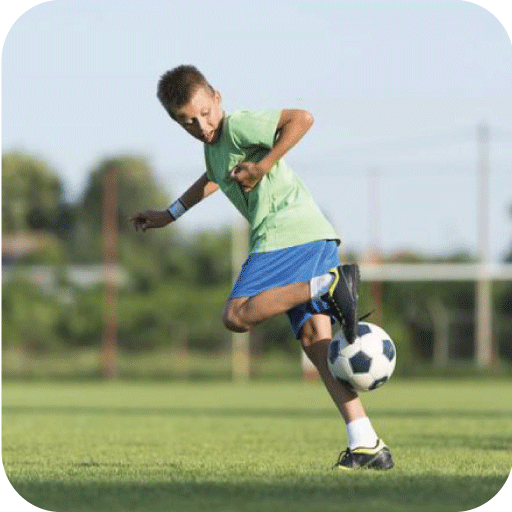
pixel 352 279
pixel 381 462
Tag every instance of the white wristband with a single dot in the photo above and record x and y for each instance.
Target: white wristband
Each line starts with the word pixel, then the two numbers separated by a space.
pixel 177 209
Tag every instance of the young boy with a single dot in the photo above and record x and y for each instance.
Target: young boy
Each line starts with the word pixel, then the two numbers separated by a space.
pixel 293 264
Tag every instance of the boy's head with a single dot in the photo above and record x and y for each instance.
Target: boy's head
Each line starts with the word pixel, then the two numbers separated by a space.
pixel 192 102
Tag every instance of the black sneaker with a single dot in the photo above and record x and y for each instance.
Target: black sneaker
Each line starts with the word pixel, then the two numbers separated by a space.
pixel 378 457
pixel 343 297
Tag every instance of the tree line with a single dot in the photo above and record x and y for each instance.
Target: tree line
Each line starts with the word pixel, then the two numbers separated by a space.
pixel 177 282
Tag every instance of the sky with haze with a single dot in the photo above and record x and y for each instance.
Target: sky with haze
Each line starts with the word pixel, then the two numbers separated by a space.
pixel 397 90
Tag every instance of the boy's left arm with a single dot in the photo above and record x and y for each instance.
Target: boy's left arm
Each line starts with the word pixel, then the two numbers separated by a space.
pixel 291 127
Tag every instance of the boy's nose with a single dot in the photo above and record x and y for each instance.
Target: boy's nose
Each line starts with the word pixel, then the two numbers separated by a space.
pixel 203 126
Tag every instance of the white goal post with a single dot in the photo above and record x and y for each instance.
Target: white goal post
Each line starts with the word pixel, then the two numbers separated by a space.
pixel 435 271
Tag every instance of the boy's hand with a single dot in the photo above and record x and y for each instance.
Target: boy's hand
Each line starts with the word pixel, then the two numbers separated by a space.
pixel 150 219
pixel 247 175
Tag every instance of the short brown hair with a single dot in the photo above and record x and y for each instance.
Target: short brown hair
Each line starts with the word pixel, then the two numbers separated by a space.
pixel 176 86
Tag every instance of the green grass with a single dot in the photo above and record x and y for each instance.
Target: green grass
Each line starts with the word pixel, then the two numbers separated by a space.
pixel 266 446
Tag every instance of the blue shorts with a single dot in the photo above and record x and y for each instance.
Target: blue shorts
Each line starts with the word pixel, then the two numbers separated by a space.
pixel 264 270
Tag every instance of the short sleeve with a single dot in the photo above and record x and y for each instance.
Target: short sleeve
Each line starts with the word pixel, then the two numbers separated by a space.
pixel 254 128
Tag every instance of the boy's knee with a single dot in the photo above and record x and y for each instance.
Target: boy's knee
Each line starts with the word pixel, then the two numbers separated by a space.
pixel 232 320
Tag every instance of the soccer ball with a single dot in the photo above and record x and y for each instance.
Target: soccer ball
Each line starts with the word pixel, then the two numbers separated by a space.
pixel 367 363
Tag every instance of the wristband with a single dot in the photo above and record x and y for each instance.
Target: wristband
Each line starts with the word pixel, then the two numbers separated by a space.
pixel 177 209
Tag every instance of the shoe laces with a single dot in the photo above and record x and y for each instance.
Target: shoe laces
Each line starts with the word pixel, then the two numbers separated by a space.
pixel 364 317
pixel 342 456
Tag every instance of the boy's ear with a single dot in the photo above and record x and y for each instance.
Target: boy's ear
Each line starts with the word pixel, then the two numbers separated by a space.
pixel 218 96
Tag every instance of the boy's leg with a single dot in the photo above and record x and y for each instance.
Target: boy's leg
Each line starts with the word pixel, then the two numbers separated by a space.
pixel 243 313
pixel 316 336
pixel 365 449
pixel 339 287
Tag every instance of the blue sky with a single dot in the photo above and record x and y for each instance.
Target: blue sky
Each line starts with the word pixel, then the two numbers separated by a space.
pixel 397 88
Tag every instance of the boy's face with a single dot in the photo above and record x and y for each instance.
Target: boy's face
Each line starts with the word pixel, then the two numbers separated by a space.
pixel 202 115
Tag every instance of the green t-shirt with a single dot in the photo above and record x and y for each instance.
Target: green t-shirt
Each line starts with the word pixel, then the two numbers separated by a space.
pixel 280 209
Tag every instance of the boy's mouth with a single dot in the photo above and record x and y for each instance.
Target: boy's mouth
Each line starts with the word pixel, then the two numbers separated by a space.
pixel 212 137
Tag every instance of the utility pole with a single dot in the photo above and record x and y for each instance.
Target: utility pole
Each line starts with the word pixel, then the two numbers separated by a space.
pixel 374 227
pixel 240 340
pixel 110 228
pixel 483 344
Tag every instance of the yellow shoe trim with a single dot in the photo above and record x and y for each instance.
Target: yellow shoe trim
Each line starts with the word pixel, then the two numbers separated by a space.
pixel 370 451
pixel 336 275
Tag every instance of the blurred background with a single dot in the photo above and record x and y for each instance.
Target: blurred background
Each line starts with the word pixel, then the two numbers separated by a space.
pixel 409 157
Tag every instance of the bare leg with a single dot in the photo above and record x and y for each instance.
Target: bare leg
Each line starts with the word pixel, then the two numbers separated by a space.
pixel 315 340
pixel 243 313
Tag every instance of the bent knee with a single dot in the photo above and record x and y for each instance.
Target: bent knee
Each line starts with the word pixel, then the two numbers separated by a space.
pixel 232 319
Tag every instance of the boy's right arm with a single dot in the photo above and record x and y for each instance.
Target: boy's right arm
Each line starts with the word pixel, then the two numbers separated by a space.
pixel 202 188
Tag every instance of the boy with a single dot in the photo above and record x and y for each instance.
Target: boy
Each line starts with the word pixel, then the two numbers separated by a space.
pixel 293 263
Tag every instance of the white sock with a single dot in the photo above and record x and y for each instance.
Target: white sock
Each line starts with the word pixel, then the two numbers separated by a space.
pixel 320 285
pixel 360 433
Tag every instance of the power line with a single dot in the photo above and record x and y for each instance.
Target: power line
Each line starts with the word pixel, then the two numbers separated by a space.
pixel 385 148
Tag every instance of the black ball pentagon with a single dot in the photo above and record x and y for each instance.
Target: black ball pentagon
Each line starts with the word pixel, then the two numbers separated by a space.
pixel 363 329
pixel 388 349
pixel 378 383
pixel 360 362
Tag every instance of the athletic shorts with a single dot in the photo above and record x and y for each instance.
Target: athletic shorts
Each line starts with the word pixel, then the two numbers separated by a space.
pixel 272 269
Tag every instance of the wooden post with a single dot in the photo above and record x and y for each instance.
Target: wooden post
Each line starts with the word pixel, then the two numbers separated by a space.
pixel 240 340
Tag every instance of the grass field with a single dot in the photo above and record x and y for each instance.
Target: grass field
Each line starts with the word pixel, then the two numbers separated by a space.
pixel 264 446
